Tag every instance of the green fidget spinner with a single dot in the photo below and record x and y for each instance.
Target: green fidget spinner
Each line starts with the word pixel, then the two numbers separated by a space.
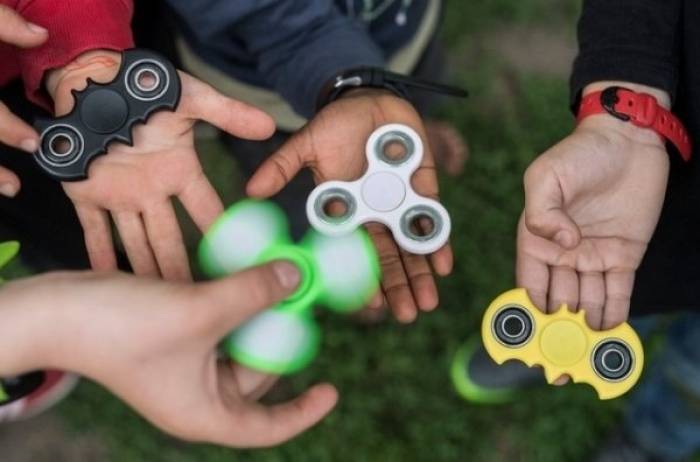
pixel 340 273
pixel 8 250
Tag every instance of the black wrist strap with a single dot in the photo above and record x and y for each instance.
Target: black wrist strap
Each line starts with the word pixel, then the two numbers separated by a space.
pixel 374 77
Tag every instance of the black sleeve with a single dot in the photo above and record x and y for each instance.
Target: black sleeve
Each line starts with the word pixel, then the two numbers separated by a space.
pixel 629 40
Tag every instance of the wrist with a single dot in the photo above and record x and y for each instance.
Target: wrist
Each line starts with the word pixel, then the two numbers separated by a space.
pixel 662 97
pixel 29 327
pixel 99 65
pixel 642 110
pixel 367 92
pixel 611 127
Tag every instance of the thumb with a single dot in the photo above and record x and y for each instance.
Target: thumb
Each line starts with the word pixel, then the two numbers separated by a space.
pixel 17 31
pixel 232 300
pixel 256 425
pixel 201 101
pixel 544 209
pixel 278 169
pixel 16 132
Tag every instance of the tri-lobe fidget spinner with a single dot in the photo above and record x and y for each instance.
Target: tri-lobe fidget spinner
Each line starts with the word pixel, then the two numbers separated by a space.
pixel 340 273
pixel 102 113
pixel 384 194
pixel 562 343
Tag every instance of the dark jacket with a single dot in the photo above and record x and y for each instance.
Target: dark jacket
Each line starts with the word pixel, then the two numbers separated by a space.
pixel 655 43
pixel 295 46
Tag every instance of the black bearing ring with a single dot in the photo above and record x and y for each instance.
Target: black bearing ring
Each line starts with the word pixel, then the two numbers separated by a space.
pixel 613 360
pixel 513 326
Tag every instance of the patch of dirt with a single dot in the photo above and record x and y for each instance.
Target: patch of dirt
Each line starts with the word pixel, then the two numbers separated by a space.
pixel 45 439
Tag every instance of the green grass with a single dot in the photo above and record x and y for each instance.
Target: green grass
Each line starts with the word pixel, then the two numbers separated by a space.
pixel 397 402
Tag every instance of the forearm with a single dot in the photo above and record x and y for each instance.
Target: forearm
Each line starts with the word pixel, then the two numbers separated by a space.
pixel 629 41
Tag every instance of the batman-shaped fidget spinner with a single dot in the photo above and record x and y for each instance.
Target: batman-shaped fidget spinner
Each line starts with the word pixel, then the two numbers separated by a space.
pixel 561 342
pixel 102 113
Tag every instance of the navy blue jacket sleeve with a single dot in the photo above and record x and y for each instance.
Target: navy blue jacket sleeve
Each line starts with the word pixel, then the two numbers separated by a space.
pixel 629 40
pixel 297 45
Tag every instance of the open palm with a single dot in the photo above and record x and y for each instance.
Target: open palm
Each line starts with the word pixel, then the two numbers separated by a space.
pixel 592 204
pixel 135 185
pixel 332 145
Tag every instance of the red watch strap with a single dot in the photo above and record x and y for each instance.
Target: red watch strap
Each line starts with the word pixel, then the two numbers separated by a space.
pixel 642 109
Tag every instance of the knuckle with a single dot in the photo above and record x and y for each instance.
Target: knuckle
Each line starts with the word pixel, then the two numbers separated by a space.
pixel 534 221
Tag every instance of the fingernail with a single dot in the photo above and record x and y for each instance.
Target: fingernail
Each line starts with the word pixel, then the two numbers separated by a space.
pixel 564 239
pixel 29 145
pixel 8 189
pixel 287 274
pixel 36 28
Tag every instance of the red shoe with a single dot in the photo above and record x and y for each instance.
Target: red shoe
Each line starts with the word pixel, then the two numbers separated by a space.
pixel 56 386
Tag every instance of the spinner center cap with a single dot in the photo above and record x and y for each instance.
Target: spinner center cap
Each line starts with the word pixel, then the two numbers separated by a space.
pixel 563 343
pixel 383 191
pixel 104 111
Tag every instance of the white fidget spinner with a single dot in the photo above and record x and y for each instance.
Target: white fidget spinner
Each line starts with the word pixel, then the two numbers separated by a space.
pixel 384 194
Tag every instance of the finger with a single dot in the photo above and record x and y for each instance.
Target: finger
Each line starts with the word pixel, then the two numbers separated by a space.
pixel 228 302
pixel 98 237
pixel 377 301
pixel 261 426
pixel 592 297
pixel 18 31
pixel 278 169
pixel 251 384
pixel 442 260
pixel 533 275
pixel 133 234
pixel 395 282
pixel 618 290
pixel 544 215
pixel 9 182
pixel 166 240
pixel 563 288
pixel 421 279
pixel 202 202
pixel 17 133
pixel 202 102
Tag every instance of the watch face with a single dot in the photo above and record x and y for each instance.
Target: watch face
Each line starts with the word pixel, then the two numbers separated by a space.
pixel 14 388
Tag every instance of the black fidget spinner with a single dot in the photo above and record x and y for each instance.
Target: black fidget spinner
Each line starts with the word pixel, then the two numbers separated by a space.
pixel 146 83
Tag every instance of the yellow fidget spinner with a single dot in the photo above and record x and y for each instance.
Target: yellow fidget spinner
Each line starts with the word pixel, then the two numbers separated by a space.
pixel 562 343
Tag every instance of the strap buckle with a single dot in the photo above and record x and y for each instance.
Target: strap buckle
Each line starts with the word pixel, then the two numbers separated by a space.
pixel 639 108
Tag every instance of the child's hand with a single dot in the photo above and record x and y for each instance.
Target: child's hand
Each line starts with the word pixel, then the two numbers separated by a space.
pixel 135 185
pixel 332 144
pixel 153 344
pixel 592 203
pixel 13 130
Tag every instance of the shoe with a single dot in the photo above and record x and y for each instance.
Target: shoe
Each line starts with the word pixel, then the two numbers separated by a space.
pixel 478 379
pixel 55 386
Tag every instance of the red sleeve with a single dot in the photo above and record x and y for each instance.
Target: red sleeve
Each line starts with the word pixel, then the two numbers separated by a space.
pixel 75 26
